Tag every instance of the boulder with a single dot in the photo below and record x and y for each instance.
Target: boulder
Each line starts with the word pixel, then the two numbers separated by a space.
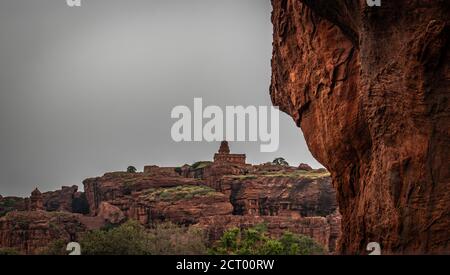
pixel 110 213
pixel 304 167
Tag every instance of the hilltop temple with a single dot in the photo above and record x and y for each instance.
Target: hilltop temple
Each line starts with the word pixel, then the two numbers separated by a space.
pixel 35 201
pixel 224 156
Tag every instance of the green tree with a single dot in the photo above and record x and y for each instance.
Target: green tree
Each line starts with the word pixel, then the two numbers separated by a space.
pixel 57 247
pixel 128 239
pixel 255 241
pixel 131 169
pixel 280 161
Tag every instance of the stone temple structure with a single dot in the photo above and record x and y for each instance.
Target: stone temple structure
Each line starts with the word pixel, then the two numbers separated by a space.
pixel 36 201
pixel 224 156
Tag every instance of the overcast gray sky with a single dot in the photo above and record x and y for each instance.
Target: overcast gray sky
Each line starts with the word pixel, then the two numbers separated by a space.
pixel 88 90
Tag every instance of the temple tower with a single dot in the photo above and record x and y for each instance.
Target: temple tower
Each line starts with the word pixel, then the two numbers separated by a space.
pixel 36 201
pixel 224 156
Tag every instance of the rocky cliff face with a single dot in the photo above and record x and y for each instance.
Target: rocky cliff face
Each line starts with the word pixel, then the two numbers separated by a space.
pixel 369 86
pixel 219 196
pixel 66 199
pixel 214 197
pixel 275 195
pixel 151 197
pixel 29 231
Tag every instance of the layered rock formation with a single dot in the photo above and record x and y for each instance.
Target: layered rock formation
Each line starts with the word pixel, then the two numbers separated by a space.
pixel 369 86
pixel 280 195
pixel 220 195
pixel 325 230
pixel 211 195
pixel 29 231
pixel 61 200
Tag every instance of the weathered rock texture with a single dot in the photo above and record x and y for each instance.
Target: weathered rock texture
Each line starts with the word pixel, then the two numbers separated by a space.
pixel 268 195
pixel 29 231
pixel 325 230
pixel 216 192
pixel 369 86
pixel 62 200
pixel 213 195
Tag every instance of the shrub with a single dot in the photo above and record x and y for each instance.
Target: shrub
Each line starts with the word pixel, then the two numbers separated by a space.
pixel 294 244
pixel 57 247
pixel 131 169
pixel 280 161
pixel 171 239
pixel 131 238
pixel 6 251
pixel 255 241
pixel 128 239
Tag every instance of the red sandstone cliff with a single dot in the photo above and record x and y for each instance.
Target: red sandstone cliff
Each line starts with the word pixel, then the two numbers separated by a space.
pixel 29 231
pixel 226 195
pixel 370 89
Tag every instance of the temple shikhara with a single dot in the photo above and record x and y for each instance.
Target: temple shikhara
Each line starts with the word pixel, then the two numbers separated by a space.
pixel 35 202
pixel 224 156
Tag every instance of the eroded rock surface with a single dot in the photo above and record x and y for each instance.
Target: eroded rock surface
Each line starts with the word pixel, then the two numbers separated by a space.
pixel 213 195
pixel 29 231
pixel 369 86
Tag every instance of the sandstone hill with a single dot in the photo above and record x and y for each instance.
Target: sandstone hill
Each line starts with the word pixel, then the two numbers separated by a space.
pixel 213 196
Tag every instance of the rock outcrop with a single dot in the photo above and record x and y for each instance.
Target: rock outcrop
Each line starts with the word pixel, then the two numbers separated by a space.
pixel 369 87
pixel 305 167
pixel 211 195
pixel 121 186
pixel 29 231
pixel 219 191
pixel 280 195
pixel 62 200
pixel 110 213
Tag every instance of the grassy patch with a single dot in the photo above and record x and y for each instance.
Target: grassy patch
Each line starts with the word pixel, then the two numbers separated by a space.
pixel 315 174
pixel 186 192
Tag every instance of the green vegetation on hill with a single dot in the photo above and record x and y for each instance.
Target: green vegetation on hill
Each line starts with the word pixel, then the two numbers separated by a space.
pixel 6 251
pixel 182 192
pixel 280 162
pixel 131 169
pixel 314 174
pixel 255 241
pixel 7 205
pixel 131 238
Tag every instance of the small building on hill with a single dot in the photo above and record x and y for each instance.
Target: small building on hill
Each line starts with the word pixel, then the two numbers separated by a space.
pixel 224 156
